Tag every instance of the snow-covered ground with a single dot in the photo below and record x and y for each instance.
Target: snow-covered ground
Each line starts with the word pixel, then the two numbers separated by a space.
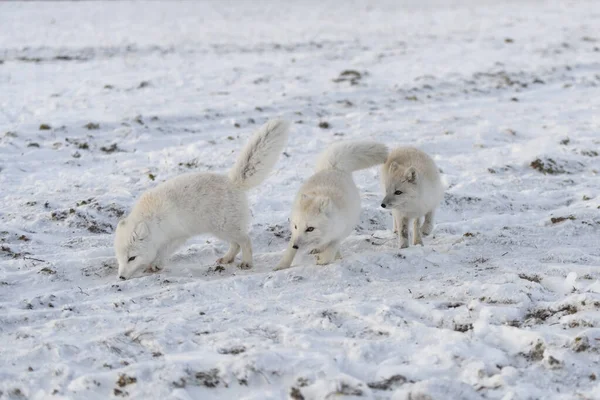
pixel 102 100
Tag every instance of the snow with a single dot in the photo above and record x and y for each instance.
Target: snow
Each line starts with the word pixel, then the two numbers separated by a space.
pixel 502 302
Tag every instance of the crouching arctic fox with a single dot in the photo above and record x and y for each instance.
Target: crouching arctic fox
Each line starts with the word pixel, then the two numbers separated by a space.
pixel 196 203
pixel 327 206
pixel 413 189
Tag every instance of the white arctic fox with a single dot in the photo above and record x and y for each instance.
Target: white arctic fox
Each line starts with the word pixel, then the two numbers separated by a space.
pixel 192 204
pixel 413 189
pixel 327 206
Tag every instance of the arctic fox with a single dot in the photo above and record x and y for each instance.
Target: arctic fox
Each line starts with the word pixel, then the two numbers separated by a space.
pixel 413 189
pixel 195 203
pixel 327 206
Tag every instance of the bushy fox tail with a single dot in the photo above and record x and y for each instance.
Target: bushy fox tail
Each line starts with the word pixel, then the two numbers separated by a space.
pixel 259 155
pixel 352 156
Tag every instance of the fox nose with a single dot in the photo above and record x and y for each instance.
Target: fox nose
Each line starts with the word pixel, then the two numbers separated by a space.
pixel 295 247
pixel 383 205
pixel 122 278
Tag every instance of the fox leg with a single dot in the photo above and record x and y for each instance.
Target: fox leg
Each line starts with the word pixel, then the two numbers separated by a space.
pixel 164 253
pixel 428 223
pixel 404 232
pixel 396 217
pixel 317 250
pixel 417 232
pixel 246 246
pixel 228 258
pixel 288 257
pixel 329 254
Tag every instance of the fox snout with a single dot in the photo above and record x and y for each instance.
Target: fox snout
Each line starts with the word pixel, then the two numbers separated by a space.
pixel 298 242
pixel 385 204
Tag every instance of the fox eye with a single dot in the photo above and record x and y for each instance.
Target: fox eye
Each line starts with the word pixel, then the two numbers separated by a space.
pixel 131 259
pixel 398 192
pixel 295 227
pixel 310 229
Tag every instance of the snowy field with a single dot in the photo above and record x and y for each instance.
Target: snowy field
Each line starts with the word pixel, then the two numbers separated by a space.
pixel 101 101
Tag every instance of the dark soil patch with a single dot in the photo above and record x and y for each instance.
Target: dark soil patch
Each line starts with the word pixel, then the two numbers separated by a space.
pixel 463 327
pixel 388 384
pixel 547 166
pixel 110 149
pixel 92 126
pixel 79 144
pixel 209 378
pixel 47 271
pixel 349 75
pixel 536 353
pixel 189 164
pixel 556 220
pixel 347 390
pixel 235 350
pixel 581 343
pixel 296 394
pixel 532 278
pixel 542 314
pixel 125 380
pixel 589 153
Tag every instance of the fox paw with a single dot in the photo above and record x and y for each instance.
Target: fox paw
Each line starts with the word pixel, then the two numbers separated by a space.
pixel 323 260
pixel 244 265
pixel 153 269
pixel 426 229
pixel 224 260
pixel 281 266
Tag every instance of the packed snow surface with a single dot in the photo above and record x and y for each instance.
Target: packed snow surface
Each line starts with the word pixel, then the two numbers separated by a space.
pixel 100 101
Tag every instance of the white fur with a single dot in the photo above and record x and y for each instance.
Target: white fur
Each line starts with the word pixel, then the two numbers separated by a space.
pixel 196 203
pixel 414 176
pixel 329 201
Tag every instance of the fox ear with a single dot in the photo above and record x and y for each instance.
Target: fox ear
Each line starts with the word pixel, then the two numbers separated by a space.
pixel 394 166
pixel 411 175
pixel 324 205
pixel 141 231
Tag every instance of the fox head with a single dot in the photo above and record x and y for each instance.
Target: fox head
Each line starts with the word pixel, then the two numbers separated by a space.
pixel 134 247
pixel 311 224
pixel 401 187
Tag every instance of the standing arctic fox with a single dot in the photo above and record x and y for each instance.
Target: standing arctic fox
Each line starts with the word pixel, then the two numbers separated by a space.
pixel 327 206
pixel 195 203
pixel 413 189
